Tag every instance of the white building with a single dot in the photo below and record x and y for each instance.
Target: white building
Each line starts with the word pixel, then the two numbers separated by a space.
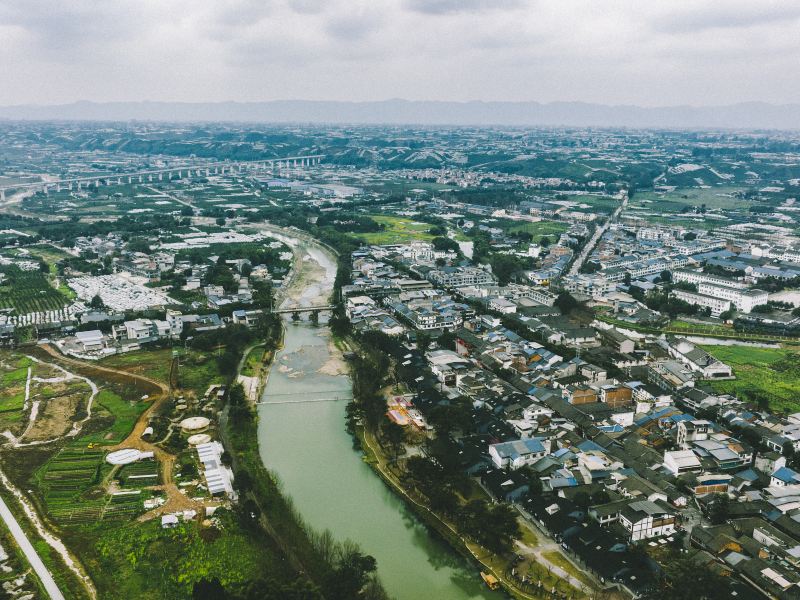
pixel 698 277
pixel 717 305
pixel 518 453
pixel 698 359
pixel 91 340
pixel 645 519
pixel 678 462
pixel 455 277
pixel 356 302
pixel 743 300
pixel 502 305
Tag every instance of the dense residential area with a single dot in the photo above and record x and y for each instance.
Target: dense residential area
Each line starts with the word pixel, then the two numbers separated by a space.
pixel 600 436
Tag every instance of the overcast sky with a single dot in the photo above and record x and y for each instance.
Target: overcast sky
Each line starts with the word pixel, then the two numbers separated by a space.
pixel 646 52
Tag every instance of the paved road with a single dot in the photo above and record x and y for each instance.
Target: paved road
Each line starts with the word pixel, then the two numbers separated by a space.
pixel 22 540
pixel 576 266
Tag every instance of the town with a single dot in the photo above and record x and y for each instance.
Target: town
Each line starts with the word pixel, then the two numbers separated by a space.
pixel 573 354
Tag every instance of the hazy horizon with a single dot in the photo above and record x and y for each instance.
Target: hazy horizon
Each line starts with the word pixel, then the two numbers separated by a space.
pixel 620 53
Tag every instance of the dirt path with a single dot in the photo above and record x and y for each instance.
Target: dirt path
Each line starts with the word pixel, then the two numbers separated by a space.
pixel 54 542
pixel 76 425
pixel 176 500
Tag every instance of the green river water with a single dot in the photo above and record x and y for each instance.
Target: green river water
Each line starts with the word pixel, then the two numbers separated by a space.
pixel 306 445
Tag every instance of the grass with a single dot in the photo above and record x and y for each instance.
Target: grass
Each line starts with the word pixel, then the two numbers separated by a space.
pixel 528 536
pixel 558 559
pixel 769 374
pixel 124 413
pixel 253 362
pixel 540 229
pixel 66 480
pixel 673 202
pixel 397 230
pixel 196 370
pixel 49 254
pixel 150 363
pixel 150 562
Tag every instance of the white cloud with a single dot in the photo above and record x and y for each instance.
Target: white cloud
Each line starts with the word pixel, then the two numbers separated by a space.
pixel 610 51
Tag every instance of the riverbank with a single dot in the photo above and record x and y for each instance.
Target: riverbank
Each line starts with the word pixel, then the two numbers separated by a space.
pixel 484 560
pixel 304 442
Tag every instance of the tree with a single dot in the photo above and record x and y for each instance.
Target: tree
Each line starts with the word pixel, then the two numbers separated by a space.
pixel 493 526
pixel 236 396
pixel 787 450
pixel 395 434
pixel 566 302
pixel 139 245
pixel 351 573
pixel 718 509
pixel 505 266
pixel 582 499
pixel 209 589
pixel 685 579
pixel 666 276
pixel 423 341
pixel 97 302
pixel 444 244
pixel 726 315
pixel 534 483
pixel 544 242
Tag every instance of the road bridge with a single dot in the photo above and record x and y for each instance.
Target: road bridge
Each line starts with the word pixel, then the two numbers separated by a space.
pixel 308 398
pixel 180 171
pixel 302 309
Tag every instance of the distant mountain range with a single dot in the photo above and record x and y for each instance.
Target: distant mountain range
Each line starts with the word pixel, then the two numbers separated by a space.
pixel 749 115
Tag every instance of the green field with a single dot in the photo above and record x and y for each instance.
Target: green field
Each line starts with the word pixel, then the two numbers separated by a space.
pixel 551 229
pixel 108 406
pixel 150 562
pixel 721 197
pixel 71 485
pixel 597 204
pixel 769 374
pixel 253 363
pixel 28 291
pixel 397 230
pixel 196 370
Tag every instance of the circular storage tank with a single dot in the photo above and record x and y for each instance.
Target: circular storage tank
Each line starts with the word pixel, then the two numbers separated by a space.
pixel 199 438
pixel 195 424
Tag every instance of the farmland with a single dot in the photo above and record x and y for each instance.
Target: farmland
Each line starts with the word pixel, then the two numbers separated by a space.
pixel 540 229
pixel 28 291
pixel 766 375
pixel 137 553
pixel 721 197
pixel 594 203
pixel 397 230
pixel 70 485
pixel 196 370
pixel 13 373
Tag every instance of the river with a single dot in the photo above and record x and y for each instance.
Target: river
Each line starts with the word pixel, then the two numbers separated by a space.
pixel 306 445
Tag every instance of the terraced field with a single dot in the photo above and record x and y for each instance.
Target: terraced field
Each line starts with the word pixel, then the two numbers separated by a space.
pixel 70 483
